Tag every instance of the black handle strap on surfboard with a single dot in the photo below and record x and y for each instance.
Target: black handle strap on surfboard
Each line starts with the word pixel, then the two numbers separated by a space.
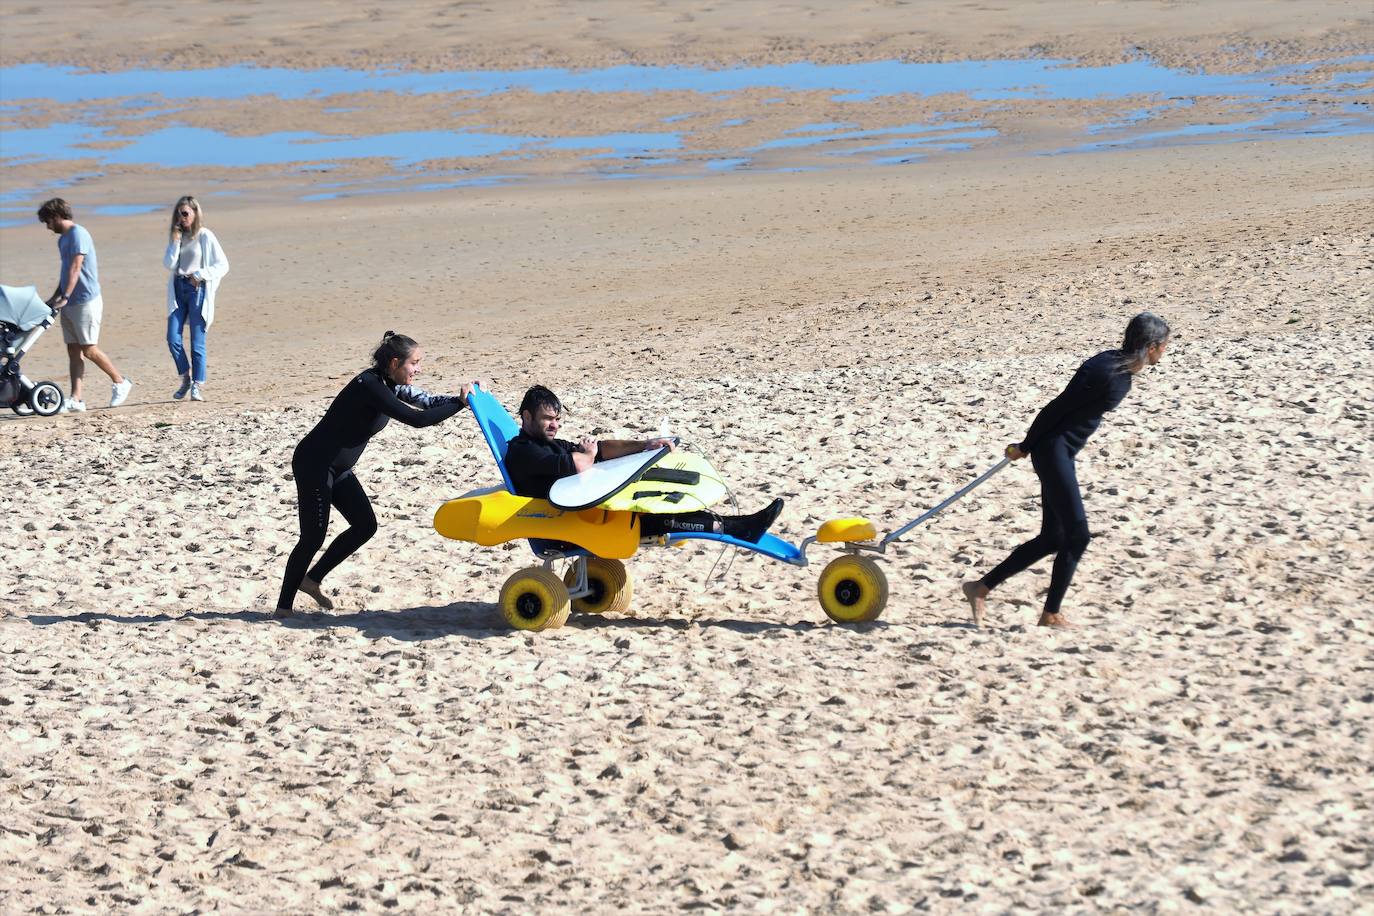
pixel 672 475
pixel 667 496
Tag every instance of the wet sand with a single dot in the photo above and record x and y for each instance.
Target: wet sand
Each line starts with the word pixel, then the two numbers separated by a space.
pixel 861 343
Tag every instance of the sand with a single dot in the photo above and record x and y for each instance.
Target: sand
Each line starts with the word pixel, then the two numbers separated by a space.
pixel 453 34
pixel 859 342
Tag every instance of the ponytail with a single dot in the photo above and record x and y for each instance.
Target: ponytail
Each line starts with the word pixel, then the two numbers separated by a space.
pixel 393 346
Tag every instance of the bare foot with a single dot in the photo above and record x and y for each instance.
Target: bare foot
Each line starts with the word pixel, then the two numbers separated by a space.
pixel 1054 620
pixel 312 588
pixel 977 593
pixel 282 613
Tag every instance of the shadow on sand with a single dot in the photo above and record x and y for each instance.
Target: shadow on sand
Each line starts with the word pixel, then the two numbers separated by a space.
pixel 472 619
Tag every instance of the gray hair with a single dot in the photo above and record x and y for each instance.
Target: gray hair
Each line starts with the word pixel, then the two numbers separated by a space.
pixel 1145 330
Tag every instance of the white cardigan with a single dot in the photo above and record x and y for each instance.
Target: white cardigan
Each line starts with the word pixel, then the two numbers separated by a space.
pixel 213 266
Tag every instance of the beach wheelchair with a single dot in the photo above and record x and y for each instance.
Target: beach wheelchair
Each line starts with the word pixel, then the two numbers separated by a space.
pixel 595 540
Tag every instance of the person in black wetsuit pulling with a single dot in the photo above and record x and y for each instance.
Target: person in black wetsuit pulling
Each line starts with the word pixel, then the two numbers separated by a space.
pixel 535 459
pixel 1059 431
pixel 323 460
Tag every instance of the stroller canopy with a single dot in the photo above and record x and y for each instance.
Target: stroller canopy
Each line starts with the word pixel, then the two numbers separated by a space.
pixel 22 306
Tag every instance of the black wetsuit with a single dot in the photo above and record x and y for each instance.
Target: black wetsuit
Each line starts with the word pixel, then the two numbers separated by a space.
pixel 323 467
pixel 535 465
pixel 1059 431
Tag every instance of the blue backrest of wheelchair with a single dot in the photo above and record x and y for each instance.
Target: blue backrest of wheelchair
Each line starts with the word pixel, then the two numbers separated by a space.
pixel 497 426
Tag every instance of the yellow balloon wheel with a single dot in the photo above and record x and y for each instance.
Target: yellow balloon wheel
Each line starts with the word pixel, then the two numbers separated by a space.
pixel 535 599
pixel 610 585
pixel 852 589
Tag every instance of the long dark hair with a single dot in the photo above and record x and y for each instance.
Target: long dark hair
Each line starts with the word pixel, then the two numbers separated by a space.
pixel 393 346
pixel 1144 331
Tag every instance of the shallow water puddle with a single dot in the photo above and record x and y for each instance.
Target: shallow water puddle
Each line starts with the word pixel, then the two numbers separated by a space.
pixel 992 79
pixel 137 118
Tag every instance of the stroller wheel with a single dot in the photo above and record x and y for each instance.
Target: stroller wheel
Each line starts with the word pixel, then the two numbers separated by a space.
pixel 45 399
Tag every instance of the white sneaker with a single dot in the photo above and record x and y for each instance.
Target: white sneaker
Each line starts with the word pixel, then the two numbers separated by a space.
pixel 70 406
pixel 185 387
pixel 119 392
pixel 195 392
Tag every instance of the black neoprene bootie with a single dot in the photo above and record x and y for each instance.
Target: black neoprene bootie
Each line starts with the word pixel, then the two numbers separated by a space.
pixel 687 522
pixel 753 527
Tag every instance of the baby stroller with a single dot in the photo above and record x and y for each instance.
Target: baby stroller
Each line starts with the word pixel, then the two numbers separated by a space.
pixel 24 316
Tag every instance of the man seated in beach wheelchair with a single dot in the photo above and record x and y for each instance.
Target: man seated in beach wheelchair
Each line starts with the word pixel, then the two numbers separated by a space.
pixel 595 503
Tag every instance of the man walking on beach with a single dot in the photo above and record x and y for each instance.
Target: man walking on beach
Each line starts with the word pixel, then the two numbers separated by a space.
pixel 77 299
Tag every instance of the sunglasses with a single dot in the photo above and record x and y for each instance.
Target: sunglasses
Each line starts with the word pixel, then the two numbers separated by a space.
pixel 185 213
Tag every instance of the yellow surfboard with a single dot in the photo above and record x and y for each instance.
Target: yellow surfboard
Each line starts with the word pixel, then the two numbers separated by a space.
pixel 678 482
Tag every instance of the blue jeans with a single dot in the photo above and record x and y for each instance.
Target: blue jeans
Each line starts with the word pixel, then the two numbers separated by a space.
pixel 190 298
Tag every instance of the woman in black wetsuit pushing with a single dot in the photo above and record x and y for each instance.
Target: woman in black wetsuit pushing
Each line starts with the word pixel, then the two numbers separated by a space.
pixel 324 459
pixel 1055 437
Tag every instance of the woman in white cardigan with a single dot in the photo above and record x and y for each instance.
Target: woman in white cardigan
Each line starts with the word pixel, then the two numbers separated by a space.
pixel 197 264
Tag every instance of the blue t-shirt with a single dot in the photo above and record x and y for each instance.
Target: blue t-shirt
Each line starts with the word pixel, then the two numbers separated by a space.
pixel 71 243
